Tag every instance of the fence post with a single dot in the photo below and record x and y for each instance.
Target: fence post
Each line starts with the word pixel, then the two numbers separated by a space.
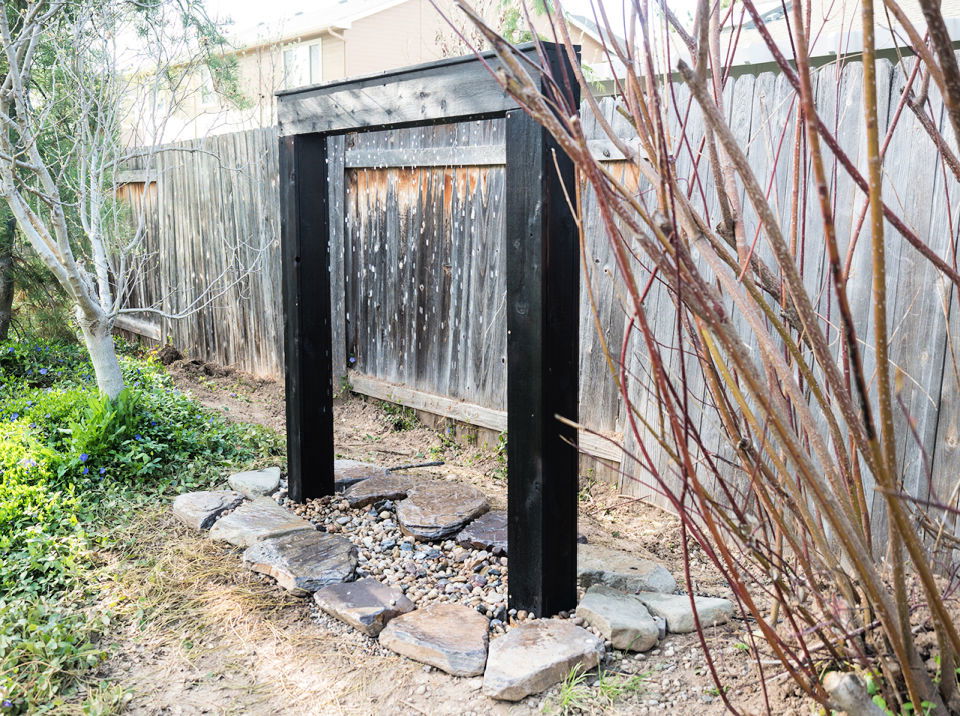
pixel 304 217
pixel 543 293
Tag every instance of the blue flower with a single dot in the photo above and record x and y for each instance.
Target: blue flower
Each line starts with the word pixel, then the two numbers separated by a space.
pixel 103 471
pixel 9 350
pixel 14 416
pixel 84 457
pixel 138 436
pixel 7 703
pixel 33 425
pixel 43 371
pixel 86 470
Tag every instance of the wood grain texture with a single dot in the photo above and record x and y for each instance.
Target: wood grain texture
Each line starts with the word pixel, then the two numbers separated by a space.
pixel 424 270
pixel 425 267
pixel 212 216
pixel 466 155
pixel 602 446
pixel 445 91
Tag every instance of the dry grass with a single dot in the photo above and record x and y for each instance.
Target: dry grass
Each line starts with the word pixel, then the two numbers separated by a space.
pixel 192 619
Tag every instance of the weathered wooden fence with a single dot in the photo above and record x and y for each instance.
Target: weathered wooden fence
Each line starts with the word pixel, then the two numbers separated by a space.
pixel 418 243
pixel 210 209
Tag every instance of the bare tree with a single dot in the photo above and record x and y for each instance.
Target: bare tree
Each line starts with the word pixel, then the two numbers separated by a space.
pixel 797 493
pixel 86 87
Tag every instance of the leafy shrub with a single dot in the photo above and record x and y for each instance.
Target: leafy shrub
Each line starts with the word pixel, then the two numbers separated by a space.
pixel 42 647
pixel 400 417
pixel 39 364
pixel 67 455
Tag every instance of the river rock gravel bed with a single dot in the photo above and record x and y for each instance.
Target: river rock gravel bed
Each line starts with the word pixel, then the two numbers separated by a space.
pixel 440 572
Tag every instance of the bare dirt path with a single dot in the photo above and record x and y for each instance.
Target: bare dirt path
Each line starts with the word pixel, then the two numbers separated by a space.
pixel 206 636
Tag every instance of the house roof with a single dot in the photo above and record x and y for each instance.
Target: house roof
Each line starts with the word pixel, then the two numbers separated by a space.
pixel 588 26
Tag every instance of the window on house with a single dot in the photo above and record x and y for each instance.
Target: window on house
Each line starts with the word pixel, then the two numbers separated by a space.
pixel 316 64
pixel 302 64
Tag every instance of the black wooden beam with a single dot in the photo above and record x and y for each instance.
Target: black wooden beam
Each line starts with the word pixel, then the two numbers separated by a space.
pixel 304 236
pixel 453 89
pixel 543 295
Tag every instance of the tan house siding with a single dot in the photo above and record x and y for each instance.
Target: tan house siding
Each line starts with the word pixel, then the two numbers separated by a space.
pixel 334 58
pixel 399 35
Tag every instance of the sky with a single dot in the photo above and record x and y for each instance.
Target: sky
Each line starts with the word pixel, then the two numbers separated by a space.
pixel 246 13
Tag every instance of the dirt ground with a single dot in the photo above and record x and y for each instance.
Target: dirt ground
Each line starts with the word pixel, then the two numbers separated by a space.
pixel 206 636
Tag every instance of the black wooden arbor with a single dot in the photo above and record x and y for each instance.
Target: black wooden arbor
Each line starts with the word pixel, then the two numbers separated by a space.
pixel 542 257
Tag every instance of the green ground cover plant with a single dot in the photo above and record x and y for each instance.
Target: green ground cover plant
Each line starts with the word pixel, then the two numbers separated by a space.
pixel 74 466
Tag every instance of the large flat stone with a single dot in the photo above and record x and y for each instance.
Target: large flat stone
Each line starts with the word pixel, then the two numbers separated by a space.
pixel 350 472
pixel 487 532
pixel 258 520
pixel 366 605
pixel 622 618
pixel 201 509
pixel 256 483
pixel 434 510
pixel 375 489
pixel 621 570
pixel 675 608
pixel 448 636
pixel 304 561
pixel 536 655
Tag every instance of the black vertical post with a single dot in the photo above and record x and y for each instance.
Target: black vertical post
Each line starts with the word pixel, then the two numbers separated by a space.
pixel 304 236
pixel 543 291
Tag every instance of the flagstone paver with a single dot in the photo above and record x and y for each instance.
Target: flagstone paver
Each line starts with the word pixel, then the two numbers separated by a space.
pixel 201 509
pixel 258 520
pixel 367 605
pixel 350 472
pixel 675 608
pixel 621 570
pixel 532 657
pixel 487 532
pixel 434 510
pixel 256 483
pixel 622 618
pixel 377 489
pixel 304 561
pixel 450 637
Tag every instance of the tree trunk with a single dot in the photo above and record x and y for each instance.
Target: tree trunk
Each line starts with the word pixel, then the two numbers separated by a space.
pixel 98 337
pixel 6 278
